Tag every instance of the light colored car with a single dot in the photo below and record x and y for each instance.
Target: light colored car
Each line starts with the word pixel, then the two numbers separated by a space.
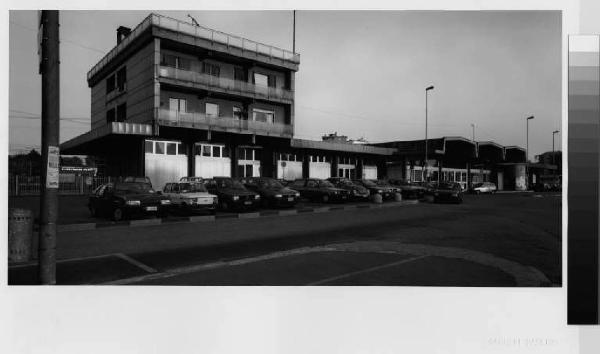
pixel 190 197
pixel 484 187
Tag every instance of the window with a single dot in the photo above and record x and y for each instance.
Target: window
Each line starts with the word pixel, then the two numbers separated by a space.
pixel 181 149
pixel 110 115
pixel 149 146
pixel 224 151
pixel 110 83
pixel 175 62
pixel 159 148
pixel 262 115
pixel 171 148
pixel 122 112
pixel 212 110
pixel 211 69
pixel 177 105
pixel 206 150
pixel 261 79
pixel 122 79
pixel 237 112
pixel 311 184
pixel 239 74
pixel 216 151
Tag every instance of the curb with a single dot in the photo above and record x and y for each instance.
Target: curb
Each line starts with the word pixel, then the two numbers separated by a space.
pixel 213 218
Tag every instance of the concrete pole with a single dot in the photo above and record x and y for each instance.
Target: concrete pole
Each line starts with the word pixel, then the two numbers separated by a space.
pixel 49 68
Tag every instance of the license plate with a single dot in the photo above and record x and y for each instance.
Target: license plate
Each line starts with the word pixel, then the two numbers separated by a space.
pixel 151 208
pixel 247 202
pixel 290 199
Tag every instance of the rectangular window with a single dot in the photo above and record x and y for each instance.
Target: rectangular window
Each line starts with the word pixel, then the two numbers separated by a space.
pixel 168 60
pixel 181 149
pixel 216 151
pixel 110 115
pixel 263 115
pixel 272 81
pixel 149 144
pixel 225 151
pixel 206 150
pixel 171 148
pixel 237 112
pixel 122 79
pixel 110 83
pixel 122 112
pixel 212 110
pixel 159 148
pixel 177 105
pixel 211 69
pixel 261 79
pixel 239 74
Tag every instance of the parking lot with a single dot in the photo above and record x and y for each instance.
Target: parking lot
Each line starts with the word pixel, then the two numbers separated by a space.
pixel 489 240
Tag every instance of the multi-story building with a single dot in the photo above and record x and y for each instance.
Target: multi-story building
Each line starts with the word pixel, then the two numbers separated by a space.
pixel 175 99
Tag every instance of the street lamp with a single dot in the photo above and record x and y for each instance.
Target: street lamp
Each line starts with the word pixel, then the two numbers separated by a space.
pixel 553 154
pixel 473 127
pixel 427 89
pixel 527 151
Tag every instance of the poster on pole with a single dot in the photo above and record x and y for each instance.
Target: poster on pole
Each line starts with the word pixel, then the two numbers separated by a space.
pixel 53 166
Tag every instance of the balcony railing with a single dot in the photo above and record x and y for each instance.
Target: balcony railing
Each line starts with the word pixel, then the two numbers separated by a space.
pixel 196 31
pixel 230 85
pixel 202 121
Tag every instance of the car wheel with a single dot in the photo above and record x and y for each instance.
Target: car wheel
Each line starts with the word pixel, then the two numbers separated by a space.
pixel 325 198
pixel 117 214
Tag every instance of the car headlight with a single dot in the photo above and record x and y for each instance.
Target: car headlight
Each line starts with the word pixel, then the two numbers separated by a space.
pixel 257 196
pixel 278 196
pixel 379 191
pixel 297 195
pixel 236 197
pixel 133 202
pixel 455 194
pixel 165 202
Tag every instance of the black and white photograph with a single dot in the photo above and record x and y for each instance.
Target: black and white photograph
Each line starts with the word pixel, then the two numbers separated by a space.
pixel 261 172
pixel 243 148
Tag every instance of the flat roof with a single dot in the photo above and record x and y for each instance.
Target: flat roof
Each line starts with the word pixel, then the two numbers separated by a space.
pixel 342 147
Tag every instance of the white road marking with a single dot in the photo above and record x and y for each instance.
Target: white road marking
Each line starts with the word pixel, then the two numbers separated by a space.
pixel 136 263
pixel 362 271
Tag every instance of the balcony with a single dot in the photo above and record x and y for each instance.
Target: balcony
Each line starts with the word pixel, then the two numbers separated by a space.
pixel 227 124
pixel 216 39
pixel 213 83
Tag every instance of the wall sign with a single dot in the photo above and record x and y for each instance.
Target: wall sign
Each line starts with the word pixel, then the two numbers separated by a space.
pixel 52 173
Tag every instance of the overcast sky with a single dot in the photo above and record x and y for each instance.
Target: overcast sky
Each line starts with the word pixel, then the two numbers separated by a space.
pixel 362 74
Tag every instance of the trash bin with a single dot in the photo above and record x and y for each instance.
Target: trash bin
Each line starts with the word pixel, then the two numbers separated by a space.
pixel 398 197
pixel 20 234
pixel 377 198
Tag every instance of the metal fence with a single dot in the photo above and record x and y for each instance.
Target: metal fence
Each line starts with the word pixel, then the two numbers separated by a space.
pixel 68 184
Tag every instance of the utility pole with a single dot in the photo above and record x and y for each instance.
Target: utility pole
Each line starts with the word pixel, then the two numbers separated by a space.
pixel 553 152
pixel 49 69
pixel 527 151
pixel 294 35
pixel 473 127
pixel 425 172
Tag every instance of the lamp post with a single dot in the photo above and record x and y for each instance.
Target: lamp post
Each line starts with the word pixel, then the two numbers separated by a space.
pixel 473 128
pixel 425 175
pixel 527 150
pixel 553 153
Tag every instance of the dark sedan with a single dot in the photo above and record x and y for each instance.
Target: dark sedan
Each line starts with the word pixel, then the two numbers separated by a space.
pixel 447 192
pixel 320 190
pixel 126 200
pixel 387 192
pixel 272 192
pixel 409 190
pixel 357 191
pixel 232 194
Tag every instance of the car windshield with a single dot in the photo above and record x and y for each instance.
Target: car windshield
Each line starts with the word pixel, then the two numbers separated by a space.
pixel 326 184
pixel 369 183
pixel 381 183
pixel 345 182
pixel 475 185
pixel 230 183
pixel 447 185
pixel 191 187
pixel 134 187
pixel 270 183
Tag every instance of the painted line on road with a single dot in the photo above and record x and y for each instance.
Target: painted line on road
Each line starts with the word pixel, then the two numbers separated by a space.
pixel 363 271
pixel 77 259
pixel 249 215
pixel 136 263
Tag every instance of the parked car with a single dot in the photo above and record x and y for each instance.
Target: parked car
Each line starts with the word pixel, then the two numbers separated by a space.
pixel 387 192
pixel 137 179
pixel 409 190
pixel 126 200
pixel 272 192
pixel 232 194
pixel 191 179
pixel 447 192
pixel 483 187
pixel 356 190
pixel 190 197
pixel 320 189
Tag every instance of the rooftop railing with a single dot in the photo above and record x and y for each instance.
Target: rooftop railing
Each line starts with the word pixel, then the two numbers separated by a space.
pixel 197 31
pixel 203 121
pixel 225 83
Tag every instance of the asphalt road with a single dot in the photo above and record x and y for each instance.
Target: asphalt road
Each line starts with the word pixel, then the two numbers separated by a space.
pixel 489 240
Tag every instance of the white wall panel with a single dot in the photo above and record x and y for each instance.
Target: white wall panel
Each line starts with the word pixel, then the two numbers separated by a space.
pixel 291 171
pixel 320 170
pixel 165 168
pixel 369 172
pixel 208 167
